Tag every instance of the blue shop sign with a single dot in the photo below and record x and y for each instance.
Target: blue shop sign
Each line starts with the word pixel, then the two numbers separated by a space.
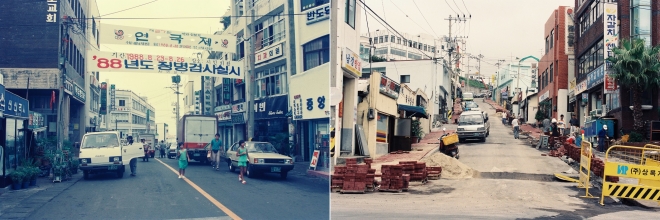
pixel 596 76
pixel 274 107
pixel 2 99
pixel 14 105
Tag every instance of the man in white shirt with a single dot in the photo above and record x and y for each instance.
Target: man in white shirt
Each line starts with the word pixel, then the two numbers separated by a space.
pixel 516 127
pixel 562 125
pixel 504 118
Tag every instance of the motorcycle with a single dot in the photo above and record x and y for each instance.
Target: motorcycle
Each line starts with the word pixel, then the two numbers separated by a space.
pixel 450 149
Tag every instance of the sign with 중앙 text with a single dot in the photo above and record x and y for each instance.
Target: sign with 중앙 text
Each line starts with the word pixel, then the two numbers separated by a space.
pixel 152 37
pixel 269 53
pixel 153 63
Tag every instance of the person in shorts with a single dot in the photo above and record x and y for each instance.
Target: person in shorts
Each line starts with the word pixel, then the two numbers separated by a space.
pixel 216 151
pixel 242 155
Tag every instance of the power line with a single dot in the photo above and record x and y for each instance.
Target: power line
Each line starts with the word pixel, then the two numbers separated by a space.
pixel 404 13
pixel 201 17
pixel 130 8
pixel 451 7
pixel 459 8
pixel 466 8
pixel 427 21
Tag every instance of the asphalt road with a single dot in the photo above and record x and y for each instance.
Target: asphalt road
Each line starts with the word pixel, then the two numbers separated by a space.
pixel 157 193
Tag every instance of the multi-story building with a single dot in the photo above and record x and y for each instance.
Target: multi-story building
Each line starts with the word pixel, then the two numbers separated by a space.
pixel 557 62
pixel 48 48
pixel 512 85
pixel 599 24
pixel 392 46
pixel 345 37
pixel 132 115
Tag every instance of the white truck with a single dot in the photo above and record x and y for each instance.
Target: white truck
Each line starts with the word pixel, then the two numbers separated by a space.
pixel 102 152
pixel 195 132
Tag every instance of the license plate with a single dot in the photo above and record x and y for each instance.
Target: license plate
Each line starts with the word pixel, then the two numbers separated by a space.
pixel 112 167
pixel 196 155
pixel 276 169
pixel 476 134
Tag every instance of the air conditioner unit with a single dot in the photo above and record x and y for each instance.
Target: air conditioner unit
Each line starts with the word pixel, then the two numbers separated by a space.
pixel 596 113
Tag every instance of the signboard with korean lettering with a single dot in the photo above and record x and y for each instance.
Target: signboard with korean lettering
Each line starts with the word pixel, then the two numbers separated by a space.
pixel 570 31
pixel 318 13
pixel 222 108
pixel 76 91
pixel 297 110
pixel 580 87
pixel 544 96
pixel 223 115
pixel 351 62
pixel 104 99
pixel 207 95
pixel 227 87
pixel 151 37
pixel 596 76
pixel 154 63
pixel 389 88
pixel 36 120
pixel 15 106
pixel 112 98
pixel 273 107
pixel 52 12
pixel 611 41
pixel 237 108
pixel 269 53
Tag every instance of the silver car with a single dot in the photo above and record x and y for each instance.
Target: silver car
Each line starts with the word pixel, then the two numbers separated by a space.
pixel 473 125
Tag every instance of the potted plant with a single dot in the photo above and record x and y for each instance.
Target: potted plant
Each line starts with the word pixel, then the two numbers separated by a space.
pixel 417 131
pixel 27 175
pixel 17 178
pixel 35 173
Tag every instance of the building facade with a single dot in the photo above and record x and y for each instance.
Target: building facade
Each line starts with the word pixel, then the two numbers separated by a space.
pixel 597 24
pixel 557 62
pixel 508 82
pixel 391 46
pixel 133 115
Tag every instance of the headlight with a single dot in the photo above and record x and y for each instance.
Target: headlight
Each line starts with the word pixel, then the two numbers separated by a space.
pixel 481 128
pixel 258 160
pixel 84 161
pixel 288 161
pixel 460 129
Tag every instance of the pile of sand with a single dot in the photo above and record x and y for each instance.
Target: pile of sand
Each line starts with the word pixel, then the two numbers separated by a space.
pixel 451 167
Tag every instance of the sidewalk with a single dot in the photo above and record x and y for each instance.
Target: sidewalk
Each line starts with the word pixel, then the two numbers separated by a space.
pixel 426 146
pixel 19 204
pixel 302 168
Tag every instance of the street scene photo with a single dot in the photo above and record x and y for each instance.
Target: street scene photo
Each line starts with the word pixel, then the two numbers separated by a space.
pixel 474 109
pixel 163 109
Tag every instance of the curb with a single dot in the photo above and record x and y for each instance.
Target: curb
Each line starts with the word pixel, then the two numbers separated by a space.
pixel 318 174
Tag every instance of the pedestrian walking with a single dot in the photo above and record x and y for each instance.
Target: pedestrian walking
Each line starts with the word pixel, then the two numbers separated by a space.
pixel 162 149
pixel 133 162
pixel 217 150
pixel 602 135
pixel 575 124
pixel 182 156
pixel 145 146
pixel 516 128
pixel 504 118
pixel 562 126
pixel 242 155
pixel 546 126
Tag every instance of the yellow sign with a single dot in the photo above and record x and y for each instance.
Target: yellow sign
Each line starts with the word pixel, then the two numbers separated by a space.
pixel 351 62
pixel 572 84
pixel 632 171
pixel 585 168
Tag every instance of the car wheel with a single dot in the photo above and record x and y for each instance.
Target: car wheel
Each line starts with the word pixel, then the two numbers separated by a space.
pixel 120 173
pixel 231 166
pixel 283 175
pixel 86 175
pixel 250 173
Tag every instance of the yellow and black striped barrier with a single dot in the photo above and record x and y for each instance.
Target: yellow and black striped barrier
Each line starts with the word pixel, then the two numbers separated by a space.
pixel 585 168
pixel 640 163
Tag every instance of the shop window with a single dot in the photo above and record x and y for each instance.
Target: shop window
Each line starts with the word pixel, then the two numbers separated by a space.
pixel 405 79
pixel 381 128
pixel 272 30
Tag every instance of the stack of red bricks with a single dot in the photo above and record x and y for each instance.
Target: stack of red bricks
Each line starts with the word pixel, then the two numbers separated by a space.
pixel 597 165
pixel 371 173
pixel 420 172
pixel 407 167
pixel 434 171
pixel 392 177
pixel 355 177
pixel 337 181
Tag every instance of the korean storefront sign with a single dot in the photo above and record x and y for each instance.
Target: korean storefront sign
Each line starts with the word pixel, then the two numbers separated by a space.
pixel 2 97
pixel 226 90
pixel 303 104
pixel 51 11
pixel 104 99
pixel 318 13
pixel 274 107
pixel 570 31
pixel 15 105
pixel 270 53
pixel 150 37
pixel 351 62
pixel 595 77
pixel 74 90
pixel 297 110
pixel 389 88
pixel 112 98
pixel 237 108
pixel 611 41
pixel 222 108
pixel 580 87
pixel 545 96
pixel 207 83
pixel 154 63
pixel 36 120
pixel 223 115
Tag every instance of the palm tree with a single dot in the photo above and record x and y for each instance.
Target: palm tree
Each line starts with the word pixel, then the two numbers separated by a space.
pixel 637 67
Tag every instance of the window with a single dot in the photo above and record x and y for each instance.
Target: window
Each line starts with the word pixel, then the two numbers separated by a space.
pixel 552 38
pixel 307 4
pixel 589 17
pixel 552 73
pixel 316 52
pixel 547 44
pixel 380 40
pixel 405 79
pixel 414 56
pixel 392 39
pixel 270 31
pixel 640 12
pixel 271 82
pixel 592 58
pixel 386 38
pixel 350 13
pixel 397 52
pixel 122 102
pixel 398 40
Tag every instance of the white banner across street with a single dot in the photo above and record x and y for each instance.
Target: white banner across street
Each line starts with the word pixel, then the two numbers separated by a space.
pixel 150 37
pixel 152 63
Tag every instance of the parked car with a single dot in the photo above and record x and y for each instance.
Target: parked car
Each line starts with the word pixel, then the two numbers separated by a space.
pixel 472 125
pixel 262 158
pixel 468 96
pixel 171 151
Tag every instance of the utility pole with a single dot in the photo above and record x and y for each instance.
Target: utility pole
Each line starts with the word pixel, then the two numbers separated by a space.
pixel 176 80
pixel 250 77
pixel 451 45
pixel 64 37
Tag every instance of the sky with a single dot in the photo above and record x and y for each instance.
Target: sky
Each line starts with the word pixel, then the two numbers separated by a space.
pixel 153 85
pixel 498 30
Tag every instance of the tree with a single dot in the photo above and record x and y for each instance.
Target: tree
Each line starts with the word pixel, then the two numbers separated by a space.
pixel 226 21
pixel 376 59
pixel 636 67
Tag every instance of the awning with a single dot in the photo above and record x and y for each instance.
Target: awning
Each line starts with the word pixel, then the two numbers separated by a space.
pixel 413 111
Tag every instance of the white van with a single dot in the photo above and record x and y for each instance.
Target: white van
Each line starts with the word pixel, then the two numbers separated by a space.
pixel 102 152
pixel 468 96
pixel 472 125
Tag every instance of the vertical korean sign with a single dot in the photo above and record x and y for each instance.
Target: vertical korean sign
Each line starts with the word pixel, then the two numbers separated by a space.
pixel 51 11
pixel 611 41
pixel 112 98
pixel 208 104
pixel 104 99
